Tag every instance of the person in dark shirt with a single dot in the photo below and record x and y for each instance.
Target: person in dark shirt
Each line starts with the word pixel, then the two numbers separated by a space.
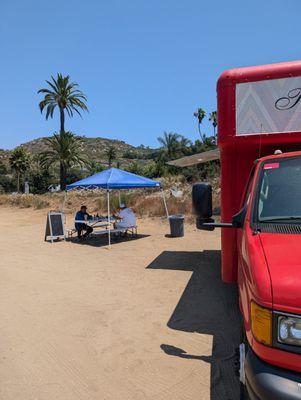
pixel 82 215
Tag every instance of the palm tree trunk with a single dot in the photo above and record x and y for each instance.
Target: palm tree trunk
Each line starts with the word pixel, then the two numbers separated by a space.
pixel 199 127
pixel 63 176
pixel 62 167
pixel 62 120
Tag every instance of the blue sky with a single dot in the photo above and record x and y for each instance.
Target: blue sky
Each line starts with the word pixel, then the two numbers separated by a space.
pixel 145 66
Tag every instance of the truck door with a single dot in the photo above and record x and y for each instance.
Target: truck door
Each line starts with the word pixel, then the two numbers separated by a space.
pixel 243 271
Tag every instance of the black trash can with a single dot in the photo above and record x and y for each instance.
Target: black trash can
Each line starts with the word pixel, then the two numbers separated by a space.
pixel 176 223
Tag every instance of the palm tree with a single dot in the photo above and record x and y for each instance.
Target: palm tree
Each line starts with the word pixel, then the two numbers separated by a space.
pixel 19 163
pixel 66 150
pixel 160 167
pixel 184 144
pixel 65 96
pixel 170 144
pixel 213 119
pixel 94 167
pixel 200 114
pixel 111 155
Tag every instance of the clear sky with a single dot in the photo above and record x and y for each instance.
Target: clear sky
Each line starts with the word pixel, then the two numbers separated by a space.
pixel 145 65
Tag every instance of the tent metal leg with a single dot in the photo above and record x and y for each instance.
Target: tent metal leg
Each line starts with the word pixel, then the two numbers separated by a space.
pixel 165 204
pixel 64 202
pixel 109 220
pixel 63 207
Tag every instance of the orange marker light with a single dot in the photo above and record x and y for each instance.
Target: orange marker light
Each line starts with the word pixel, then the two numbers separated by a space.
pixel 261 319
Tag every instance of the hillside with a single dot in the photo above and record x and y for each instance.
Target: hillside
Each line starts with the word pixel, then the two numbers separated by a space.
pixel 94 149
pixel 4 156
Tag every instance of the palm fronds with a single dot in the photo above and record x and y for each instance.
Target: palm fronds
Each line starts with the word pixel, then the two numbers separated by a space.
pixel 62 94
pixel 65 149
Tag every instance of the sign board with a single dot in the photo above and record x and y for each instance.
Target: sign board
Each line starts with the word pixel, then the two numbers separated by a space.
pixel 269 106
pixel 26 188
pixel 55 228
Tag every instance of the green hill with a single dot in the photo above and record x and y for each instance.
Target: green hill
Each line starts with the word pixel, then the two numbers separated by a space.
pixel 94 149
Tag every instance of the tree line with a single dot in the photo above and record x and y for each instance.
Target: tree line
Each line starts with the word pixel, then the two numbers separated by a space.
pixel 64 160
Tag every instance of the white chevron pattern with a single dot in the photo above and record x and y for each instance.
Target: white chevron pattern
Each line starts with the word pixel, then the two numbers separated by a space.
pixel 257 113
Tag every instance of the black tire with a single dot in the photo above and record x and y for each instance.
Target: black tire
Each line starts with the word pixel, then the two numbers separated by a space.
pixel 243 392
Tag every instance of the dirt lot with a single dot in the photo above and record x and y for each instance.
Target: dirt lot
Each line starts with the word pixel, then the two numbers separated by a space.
pixel 148 319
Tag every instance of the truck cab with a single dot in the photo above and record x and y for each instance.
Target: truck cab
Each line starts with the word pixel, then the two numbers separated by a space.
pixel 259 137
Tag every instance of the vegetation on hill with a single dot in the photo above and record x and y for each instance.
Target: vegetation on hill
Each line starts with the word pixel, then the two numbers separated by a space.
pixel 95 154
pixel 19 162
pixel 146 202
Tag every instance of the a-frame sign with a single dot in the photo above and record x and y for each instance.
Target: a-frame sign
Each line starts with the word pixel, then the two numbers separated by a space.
pixel 55 228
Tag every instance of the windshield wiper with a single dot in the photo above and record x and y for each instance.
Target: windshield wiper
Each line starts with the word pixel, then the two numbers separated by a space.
pixel 272 219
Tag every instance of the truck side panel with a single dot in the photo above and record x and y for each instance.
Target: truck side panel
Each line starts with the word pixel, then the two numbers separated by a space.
pixel 239 151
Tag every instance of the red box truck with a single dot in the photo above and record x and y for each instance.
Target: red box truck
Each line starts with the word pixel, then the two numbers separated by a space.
pixel 259 137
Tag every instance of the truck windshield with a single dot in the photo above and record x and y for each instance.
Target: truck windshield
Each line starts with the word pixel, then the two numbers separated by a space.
pixel 280 191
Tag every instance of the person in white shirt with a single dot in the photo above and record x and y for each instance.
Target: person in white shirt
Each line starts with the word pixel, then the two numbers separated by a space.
pixel 127 216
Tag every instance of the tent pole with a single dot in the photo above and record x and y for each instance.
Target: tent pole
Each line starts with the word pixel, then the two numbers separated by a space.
pixel 63 206
pixel 119 197
pixel 64 202
pixel 165 204
pixel 109 220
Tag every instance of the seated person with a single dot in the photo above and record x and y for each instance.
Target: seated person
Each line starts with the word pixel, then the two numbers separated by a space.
pixel 82 215
pixel 127 217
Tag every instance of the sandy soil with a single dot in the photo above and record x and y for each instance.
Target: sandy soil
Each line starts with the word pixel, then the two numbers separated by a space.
pixel 148 319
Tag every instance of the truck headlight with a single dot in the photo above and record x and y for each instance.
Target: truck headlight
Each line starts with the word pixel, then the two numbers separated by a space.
pixel 289 330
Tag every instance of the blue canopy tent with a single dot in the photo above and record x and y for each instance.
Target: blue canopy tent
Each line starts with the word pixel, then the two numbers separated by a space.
pixel 115 179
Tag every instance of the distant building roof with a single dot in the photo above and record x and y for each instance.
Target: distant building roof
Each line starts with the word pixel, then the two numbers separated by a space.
pixel 195 159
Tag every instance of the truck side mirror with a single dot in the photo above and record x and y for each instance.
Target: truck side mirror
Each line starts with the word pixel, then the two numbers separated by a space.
pixel 202 205
pixel 202 200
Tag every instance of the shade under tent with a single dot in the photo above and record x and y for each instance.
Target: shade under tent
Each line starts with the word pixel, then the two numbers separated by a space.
pixel 115 179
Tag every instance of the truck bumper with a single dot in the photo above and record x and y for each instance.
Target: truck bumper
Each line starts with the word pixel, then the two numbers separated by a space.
pixel 267 382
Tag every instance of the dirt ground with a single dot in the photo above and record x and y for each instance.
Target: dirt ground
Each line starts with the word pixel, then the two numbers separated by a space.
pixel 148 319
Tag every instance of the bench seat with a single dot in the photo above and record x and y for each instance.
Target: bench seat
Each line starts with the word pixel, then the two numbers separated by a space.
pixel 131 229
pixel 106 231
